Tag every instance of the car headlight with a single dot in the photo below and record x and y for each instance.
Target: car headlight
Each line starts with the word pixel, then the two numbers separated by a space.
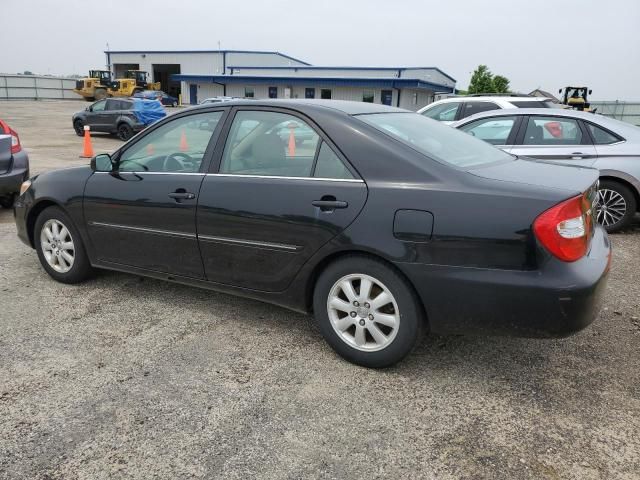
pixel 25 186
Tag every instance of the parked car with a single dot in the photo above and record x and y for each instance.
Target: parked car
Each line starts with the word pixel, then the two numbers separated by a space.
pixel 14 165
pixel 573 138
pixel 217 100
pixel 392 225
pixel 163 97
pixel 123 117
pixel 452 109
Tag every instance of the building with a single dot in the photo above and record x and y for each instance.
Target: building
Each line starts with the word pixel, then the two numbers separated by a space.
pixel 199 74
pixel 541 93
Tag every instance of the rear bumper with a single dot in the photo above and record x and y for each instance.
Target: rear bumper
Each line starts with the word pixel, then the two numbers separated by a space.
pixel 555 301
pixel 10 182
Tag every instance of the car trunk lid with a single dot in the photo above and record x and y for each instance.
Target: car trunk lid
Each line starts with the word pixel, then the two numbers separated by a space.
pixel 5 153
pixel 568 178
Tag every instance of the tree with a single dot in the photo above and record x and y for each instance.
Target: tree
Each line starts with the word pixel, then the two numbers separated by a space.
pixel 481 81
pixel 501 84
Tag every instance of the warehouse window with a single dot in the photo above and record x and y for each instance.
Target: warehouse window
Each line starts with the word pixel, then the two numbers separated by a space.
pixel 309 93
pixel 273 92
pixel 248 92
pixel 325 94
pixel 367 96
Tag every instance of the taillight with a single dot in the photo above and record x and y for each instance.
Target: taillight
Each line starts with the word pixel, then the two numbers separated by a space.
pixel 15 140
pixel 565 229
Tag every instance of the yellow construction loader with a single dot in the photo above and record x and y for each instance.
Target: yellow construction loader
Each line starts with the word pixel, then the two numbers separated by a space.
pixel 96 86
pixel 576 98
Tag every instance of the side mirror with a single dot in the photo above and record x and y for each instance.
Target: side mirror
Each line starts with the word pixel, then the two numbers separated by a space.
pixel 560 91
pixel 102 163
pixel 590 91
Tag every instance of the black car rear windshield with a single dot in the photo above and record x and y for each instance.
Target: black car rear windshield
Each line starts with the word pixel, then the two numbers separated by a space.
pixel 435 140
pixel 536 104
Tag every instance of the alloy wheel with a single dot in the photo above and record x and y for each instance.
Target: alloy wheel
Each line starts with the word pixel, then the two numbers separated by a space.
pixel 57 246
pixel 611 207
pixel 363 312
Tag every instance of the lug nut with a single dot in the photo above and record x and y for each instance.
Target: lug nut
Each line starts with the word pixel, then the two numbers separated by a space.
pixel 361 322
pixel 356 304
pixel 370 317
pixel 353 314
pixel 366 305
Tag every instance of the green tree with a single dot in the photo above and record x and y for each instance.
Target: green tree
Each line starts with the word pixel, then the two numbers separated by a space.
pixel 481 80
pixel 500 84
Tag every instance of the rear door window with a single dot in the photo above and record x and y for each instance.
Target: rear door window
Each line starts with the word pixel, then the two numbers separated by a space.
pixel 471 108
pixel 552 131
pixel 495 131
pixel 269 144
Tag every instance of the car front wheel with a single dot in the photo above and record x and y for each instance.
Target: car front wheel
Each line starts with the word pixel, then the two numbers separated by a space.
pixel 60 247
pixel 616 205
pixel 367 312
pixel 78 126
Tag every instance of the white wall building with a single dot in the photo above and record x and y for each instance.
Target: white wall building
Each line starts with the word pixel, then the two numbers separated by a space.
pixel 196 75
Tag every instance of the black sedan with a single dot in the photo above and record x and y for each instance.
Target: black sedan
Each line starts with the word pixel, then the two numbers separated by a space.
pixel 383 223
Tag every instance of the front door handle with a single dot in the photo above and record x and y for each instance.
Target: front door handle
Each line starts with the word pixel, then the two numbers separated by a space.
pixel 577 156
pixel 328 203
pixel 181 194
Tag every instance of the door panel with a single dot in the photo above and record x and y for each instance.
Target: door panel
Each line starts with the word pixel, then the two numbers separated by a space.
pixel 132 220
pixel 256 232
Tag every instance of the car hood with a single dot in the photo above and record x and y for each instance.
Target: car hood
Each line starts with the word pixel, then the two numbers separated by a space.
pixel 569 178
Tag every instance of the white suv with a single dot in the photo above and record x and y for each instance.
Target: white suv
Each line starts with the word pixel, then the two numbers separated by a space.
pixel 453 109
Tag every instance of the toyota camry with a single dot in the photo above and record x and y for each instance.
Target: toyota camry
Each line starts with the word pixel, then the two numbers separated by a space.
pixel 382 223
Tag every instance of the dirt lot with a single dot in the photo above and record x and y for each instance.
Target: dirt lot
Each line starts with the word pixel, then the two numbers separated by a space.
pixel 129 378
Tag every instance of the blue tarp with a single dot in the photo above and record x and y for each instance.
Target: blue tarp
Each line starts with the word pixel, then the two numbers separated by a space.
pixel 148 111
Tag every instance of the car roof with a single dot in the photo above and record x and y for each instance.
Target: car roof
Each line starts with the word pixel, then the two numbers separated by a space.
pixel 348 107
pixel 616 126
pixel 505 98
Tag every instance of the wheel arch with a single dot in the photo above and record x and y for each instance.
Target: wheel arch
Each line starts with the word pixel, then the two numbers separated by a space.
pixel 34 213
pixel 613 178
pixel 335 256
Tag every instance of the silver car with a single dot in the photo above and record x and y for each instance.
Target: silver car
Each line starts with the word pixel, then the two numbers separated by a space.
pixel 576 138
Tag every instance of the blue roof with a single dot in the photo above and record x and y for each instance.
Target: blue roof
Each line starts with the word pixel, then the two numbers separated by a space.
pixel 313 67
pixel 109 52
pixel 383 82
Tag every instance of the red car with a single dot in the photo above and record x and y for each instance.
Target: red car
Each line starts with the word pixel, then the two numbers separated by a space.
pixel 14 165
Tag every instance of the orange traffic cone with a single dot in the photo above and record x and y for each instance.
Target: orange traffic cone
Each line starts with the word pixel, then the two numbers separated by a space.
pixel 292 140
pixel 88 148
pixel 184 146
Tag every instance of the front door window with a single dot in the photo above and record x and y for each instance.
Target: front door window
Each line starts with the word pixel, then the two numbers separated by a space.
pixel 177 146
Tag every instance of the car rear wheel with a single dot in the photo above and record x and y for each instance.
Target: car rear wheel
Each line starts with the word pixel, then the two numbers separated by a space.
pixel 78 126
pixel 60 247
pixel 367 312
pixel 616 205
pixel 125 132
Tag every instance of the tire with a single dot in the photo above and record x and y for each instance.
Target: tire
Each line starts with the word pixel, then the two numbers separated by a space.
pixel 124 132
pixel 174 104
pixel 100 93
pixel 78 126
pixel 61 269
pixel 355 335
pixel 7 201
pixel 616 205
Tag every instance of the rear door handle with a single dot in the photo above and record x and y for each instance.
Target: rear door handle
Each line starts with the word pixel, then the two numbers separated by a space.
pixel 577 156
pixel 329 205
pixel 182 195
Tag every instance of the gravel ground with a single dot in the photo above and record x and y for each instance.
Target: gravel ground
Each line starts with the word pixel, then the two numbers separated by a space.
pixel 129 378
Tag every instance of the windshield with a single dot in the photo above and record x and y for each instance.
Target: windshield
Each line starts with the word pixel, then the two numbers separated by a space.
pixel 435 140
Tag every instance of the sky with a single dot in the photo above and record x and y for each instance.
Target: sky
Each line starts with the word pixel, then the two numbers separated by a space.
pixel 545 44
